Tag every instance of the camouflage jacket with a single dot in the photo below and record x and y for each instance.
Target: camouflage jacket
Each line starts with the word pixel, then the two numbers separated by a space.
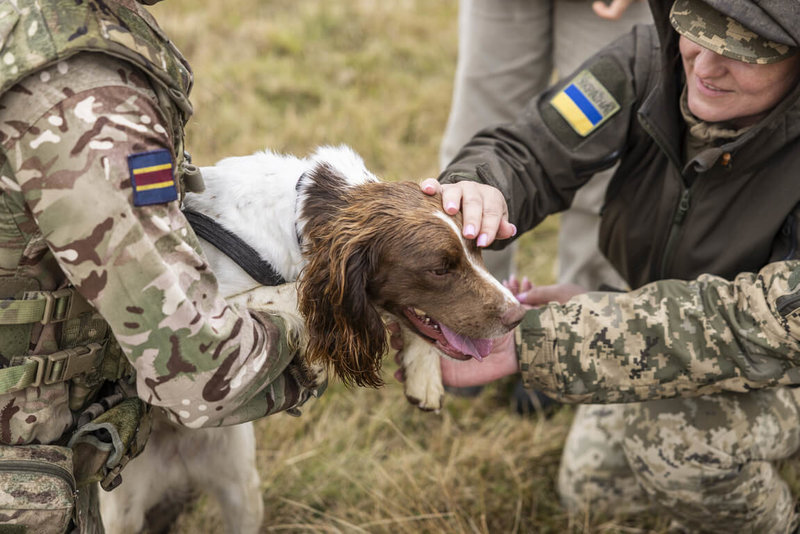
pixel 668 339
pixel 68 217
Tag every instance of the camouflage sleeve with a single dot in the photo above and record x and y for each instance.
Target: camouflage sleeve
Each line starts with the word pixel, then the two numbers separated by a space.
pixel 206 362
pixel 668 339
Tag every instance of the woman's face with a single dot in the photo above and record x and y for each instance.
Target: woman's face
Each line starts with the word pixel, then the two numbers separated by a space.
pixel 723 89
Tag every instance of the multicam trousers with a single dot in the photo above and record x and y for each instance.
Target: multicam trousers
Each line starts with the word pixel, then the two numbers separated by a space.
pixel 709 461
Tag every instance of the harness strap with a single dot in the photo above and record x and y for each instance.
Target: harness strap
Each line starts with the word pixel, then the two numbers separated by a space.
pixel 48 369
pixel 235 248
pixel 43 307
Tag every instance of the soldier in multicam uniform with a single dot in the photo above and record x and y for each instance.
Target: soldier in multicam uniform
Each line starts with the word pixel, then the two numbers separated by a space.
pixel 708 150
pixel 106 295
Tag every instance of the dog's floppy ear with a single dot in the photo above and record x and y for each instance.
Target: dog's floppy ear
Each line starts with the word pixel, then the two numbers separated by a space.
pixel 345 330
pixel 323 193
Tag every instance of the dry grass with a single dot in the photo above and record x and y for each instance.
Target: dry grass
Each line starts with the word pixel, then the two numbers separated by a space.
pixel 374 74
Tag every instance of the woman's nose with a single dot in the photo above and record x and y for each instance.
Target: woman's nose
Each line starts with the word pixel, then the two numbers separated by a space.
pixel 708 64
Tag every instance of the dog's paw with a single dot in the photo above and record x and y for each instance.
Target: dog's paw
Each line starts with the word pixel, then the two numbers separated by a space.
pixel 427 395
pixel 423 373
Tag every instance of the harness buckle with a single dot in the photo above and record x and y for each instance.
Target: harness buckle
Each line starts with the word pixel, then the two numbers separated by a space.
pixel 57 305
pixel 65 364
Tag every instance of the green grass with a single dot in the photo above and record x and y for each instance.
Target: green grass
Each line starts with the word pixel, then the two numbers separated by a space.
pixel 377 75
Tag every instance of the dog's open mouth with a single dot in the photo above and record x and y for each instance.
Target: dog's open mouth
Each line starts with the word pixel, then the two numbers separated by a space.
pixel 450 343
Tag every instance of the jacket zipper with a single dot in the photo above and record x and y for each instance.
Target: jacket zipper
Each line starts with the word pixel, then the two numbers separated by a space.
pixel 32 466
pixel 790 231
pixel 672 239
pixel 683 204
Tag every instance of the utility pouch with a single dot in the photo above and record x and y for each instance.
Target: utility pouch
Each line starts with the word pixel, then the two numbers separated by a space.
pixel 37 489
pixel 105 444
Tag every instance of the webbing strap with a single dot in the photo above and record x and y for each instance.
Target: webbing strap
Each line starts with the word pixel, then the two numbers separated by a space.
pixel 12 377
pixel 14 311
pixel 43 307
pixel 52 368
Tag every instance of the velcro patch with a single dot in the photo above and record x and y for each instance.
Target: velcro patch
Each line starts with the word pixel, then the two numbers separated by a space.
pixel 152 177
pixel 585 103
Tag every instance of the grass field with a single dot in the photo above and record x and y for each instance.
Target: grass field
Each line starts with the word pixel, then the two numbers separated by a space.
pixel 374 74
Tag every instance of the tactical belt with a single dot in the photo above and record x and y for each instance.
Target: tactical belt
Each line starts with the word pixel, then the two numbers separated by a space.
pixel 48 307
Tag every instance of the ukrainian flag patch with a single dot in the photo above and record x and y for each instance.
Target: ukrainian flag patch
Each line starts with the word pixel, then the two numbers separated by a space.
pixel 585 103
pixel 152 177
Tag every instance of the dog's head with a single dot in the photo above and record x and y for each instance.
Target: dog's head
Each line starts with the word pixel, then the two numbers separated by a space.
pixel 373 247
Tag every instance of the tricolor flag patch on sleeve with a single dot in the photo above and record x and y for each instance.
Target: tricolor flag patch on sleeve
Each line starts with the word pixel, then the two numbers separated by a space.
pixel 585 103
pixel 152 177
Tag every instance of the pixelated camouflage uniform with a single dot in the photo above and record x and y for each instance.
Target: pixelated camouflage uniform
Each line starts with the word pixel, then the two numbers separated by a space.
pixel 86 84
pixel 687 199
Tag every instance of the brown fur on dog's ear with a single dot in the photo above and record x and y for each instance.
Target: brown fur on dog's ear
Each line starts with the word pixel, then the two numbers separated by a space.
pixel 345 330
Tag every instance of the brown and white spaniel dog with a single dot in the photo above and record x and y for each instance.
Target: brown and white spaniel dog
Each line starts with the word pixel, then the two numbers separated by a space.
pixel 362 252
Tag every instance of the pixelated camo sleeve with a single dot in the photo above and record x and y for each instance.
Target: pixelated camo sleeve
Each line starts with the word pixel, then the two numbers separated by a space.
pixel 74 136
pixel 668 339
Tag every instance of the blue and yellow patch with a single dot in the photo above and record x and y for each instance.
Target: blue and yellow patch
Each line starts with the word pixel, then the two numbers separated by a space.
pixel 585 103
pixel 152 177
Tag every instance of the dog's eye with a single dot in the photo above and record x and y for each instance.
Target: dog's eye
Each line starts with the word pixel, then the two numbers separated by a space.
pixel 441 271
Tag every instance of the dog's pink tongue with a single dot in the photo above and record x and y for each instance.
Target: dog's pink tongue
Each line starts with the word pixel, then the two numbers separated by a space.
pixel 475 347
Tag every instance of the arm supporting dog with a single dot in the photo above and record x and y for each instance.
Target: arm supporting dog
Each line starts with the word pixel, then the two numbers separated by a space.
pixel 282 301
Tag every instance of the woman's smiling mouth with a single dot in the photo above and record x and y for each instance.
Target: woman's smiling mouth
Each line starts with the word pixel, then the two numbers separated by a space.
pixel 709 89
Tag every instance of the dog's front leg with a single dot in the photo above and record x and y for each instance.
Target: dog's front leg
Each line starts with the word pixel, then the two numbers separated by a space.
pixel 423 373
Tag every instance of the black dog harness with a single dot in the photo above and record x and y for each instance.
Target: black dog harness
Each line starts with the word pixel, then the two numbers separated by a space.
pixel 235 248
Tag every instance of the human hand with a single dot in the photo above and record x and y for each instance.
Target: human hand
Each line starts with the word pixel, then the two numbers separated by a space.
pixel 500 362
pixel 612 11
pixel 517 286
pixel 535 296
pixel 483 208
